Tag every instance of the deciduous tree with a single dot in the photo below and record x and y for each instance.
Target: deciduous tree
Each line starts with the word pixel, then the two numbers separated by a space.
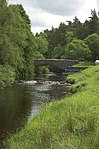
pixel 93 43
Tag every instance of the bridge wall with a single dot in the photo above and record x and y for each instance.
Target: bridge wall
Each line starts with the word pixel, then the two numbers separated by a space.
pixel 58 63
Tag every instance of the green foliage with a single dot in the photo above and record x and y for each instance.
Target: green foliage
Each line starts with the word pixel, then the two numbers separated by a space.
pixel 69 36
pixel 66 33
pixel 84 63
pixel 12 41
pixel 18 46
pixel 55 38
pixel 41 70
pixel 93 43
pixel 42 44
pixel 76 27
pixel 70 80
pixel 77 49
pixel 3 3
pixel 58 51
pixel 69 123
pixel 7 76
pixel 93 25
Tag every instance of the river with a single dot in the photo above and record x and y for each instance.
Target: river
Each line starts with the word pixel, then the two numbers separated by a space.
pixel 19 103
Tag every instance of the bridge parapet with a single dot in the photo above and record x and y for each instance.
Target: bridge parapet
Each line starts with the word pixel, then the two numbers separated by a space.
pixel 58 63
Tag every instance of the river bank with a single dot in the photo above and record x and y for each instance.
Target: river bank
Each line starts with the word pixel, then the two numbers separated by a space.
pixel 72 122
pixel 20 102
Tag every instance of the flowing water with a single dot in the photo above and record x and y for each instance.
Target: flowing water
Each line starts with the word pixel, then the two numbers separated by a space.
pixel 19 103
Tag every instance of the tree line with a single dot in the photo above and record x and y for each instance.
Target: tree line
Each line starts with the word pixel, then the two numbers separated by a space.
pixel 74 39
pixel 19 46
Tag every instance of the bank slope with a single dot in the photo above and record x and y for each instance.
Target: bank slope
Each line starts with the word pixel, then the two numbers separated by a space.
pixel 72 123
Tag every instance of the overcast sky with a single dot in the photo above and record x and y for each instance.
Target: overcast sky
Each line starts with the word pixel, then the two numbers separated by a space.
pixel 47 13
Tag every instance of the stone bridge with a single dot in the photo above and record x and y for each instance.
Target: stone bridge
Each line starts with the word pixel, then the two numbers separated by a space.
pixel 57 63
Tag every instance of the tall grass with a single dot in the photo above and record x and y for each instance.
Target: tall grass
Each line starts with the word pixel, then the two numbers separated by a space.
pixel 72 123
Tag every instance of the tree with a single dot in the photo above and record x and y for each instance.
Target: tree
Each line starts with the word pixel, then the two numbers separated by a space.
pixel 3 3
pixel 94 22
pixel 55 37
pixel 42 44
pixel 78 28
pixel 69 36
pixel 17 43
pixel 77 49
pixel 93 43
pixel 13 39
pixel 58 52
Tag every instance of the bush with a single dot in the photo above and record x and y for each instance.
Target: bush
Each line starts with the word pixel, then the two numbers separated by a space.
pixel 41 70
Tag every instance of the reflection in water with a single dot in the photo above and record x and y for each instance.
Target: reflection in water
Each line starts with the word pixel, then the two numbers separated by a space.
pixel 22 101
pixel 14 105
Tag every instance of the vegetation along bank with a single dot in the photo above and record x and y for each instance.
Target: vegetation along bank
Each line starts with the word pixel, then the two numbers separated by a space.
pixel 71 123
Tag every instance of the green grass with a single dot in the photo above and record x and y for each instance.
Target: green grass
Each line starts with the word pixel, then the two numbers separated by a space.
pixel 84 63
pixel 72 123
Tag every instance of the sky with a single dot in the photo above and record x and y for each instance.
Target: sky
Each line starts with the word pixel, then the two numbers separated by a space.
pixel 45 14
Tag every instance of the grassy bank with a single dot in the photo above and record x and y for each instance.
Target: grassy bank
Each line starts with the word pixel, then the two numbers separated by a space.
pixel 72 123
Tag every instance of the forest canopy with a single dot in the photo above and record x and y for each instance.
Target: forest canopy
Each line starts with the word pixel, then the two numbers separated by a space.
pixel 61 38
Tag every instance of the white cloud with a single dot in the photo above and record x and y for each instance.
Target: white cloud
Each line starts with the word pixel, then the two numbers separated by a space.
pixel 58 7
pixel 97 1
pixel 47 13
pixel 85 12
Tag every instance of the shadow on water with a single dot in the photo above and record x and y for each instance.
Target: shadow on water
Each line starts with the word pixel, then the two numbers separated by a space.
pixel 22 101
pixel 14 105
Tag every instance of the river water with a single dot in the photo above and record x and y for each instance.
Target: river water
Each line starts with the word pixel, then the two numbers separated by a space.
pixel 19 103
